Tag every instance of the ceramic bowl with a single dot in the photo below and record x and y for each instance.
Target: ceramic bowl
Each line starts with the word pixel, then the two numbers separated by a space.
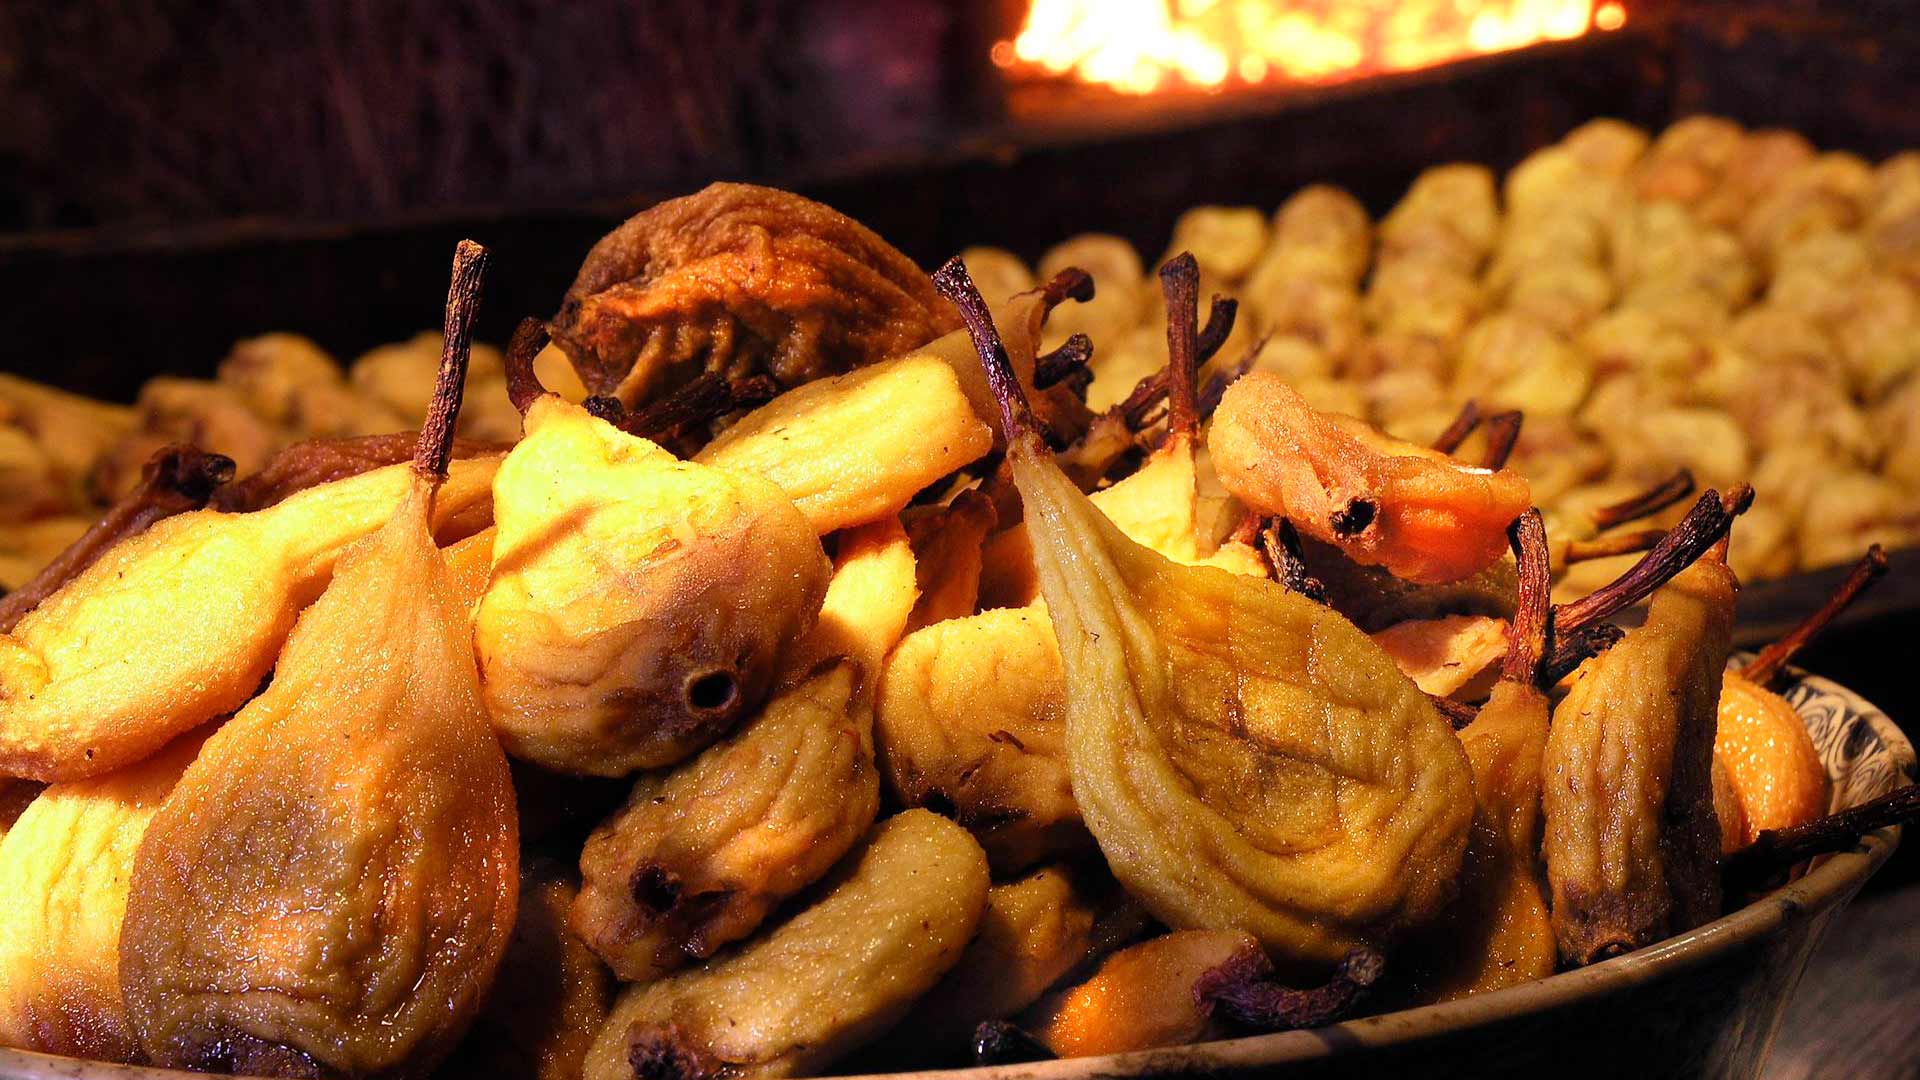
pixel 1703 1004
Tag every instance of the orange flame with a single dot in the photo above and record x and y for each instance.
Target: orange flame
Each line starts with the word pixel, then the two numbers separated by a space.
pixel 1139 46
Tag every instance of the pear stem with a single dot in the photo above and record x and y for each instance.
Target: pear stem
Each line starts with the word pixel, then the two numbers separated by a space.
pixel 1071 283
pixel 1704 526
pixel 1775 850
pixel 704 399
pixel 1462 426
pixel 1180 283
pixel 1503 432
pixel 1603 547
pixel 953 282
pixel 175 480
pixel 1533 604
pixel 1651 501
pixel 1280 543
pixel 435 447
pixel 1074 354
pixel 1765 668
pixel 523 383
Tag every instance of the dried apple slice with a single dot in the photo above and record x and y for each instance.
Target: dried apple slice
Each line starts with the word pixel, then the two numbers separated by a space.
pixel 1246 758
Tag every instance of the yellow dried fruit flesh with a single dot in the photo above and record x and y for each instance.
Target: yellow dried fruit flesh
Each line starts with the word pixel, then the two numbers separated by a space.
pixel 332 883
pixel 1451 656
pixel 859 446
pixel 948 544
pixel 639 603
pixel 894 920
pixel 181 623
pixel 1632 844
pixel 971 723
pixel 64 868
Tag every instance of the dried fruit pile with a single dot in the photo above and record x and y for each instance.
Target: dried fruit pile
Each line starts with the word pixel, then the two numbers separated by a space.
pixel 918 711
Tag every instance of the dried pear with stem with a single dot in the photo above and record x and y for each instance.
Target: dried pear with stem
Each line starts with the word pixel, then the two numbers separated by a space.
pixel 894 919
pixel 1417 512
pixel 1246 758
pixel 180 623
pixel 1632 845
pixel 1497 932
pixel 699 855
pixel 65 868
pixel 331 885
pixel 639 603
pixel 857 447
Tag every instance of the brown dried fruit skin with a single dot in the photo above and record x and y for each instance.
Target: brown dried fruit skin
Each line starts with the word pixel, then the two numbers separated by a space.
pixel 741 280
pixel 698 856
pixel 1632 845
pixel 897 917
pixel 1035 930
pixel 550 998
pixel 857 447
pixel 972 723
pixel 181 623
pixel 948 542
pixel 1141 998
pixel 332 883
pixel 639 603
pixel 1430 520
pixel 64 868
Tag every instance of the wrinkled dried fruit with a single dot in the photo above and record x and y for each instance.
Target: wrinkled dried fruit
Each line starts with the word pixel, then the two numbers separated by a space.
pixel 947 550
pixel 1416 512
pixel 895 919
pixel 857 447
pixel 1141 998
pixel 64 868
pixel 639 603
pixel 181 623
pixel 971 724
pixel 700 855
pixel 740 280
pixel 1245 757
pixel 1035 930
pixel 331 884
pixel 1632 846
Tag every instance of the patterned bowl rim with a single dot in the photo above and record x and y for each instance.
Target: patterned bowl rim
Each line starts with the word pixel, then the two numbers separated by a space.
pixel 1830 883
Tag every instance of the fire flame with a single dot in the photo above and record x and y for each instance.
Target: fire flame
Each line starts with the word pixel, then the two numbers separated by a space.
pixel 1140 46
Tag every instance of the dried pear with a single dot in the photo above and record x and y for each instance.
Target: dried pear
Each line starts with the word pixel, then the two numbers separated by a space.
pixel 64 868
pixel 1141 998
pixel 331 885
pixel 857 447
pixel 947 556
pixel 1632 845
pixel 1497 933
pixel 1035 930
pixel 971 723
pixel 549 999
pixel 639 603
pixel 181 623
pixel 1416 512
pixel 894 920
pixel 699 856
pixel 740 279
pixel 1247 758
